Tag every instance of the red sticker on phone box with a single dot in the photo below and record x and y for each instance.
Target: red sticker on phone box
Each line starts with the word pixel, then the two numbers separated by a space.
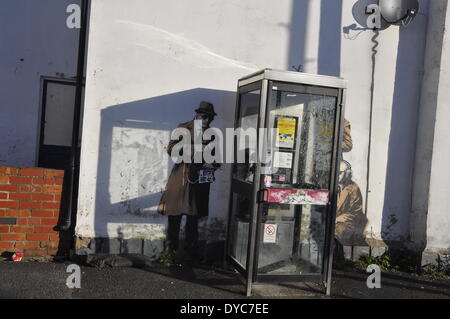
pixel 298 196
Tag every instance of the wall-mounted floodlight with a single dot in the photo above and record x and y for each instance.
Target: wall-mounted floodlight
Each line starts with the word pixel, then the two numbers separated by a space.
pixel 398 12
pixel 380 14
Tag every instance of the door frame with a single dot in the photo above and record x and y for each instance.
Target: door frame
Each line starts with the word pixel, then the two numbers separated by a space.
pixel 42 109
pixel 252 192
pixel 330 210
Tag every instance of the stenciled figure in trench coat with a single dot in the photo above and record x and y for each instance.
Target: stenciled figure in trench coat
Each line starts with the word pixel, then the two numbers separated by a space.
pixel 350 220
pixel 187 191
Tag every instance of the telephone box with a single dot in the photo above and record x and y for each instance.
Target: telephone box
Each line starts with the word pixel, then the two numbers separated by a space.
pixel 283 186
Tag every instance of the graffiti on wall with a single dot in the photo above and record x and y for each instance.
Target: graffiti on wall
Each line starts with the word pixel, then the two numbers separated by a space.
pixel 350 218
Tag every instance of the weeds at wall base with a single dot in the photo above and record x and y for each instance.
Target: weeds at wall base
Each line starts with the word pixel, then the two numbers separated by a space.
pixel 406 265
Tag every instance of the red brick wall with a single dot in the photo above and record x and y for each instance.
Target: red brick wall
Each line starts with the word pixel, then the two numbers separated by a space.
pixel 30 201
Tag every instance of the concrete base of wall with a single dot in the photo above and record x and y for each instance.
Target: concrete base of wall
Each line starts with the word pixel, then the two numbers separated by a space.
pixel 148 248
pixel 435 259
pixel 211 252
pixel 354 253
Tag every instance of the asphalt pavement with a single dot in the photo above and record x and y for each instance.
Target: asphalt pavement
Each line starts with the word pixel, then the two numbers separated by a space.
pixel 47 280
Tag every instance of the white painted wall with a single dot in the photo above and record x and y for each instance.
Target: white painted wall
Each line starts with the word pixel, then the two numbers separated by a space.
pixel 151 62
pixel 35 43
pixel 149 65
pixel 398 75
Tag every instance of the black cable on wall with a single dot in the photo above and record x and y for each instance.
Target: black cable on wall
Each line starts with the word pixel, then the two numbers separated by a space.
pixel 372 89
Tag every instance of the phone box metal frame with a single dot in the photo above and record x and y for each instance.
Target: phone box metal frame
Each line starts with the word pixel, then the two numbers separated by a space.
pixel 244 238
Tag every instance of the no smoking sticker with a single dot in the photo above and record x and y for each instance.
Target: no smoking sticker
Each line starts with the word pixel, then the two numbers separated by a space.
pixel 270 233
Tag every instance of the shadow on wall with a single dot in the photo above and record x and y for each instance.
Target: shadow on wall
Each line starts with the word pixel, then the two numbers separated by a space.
pixel 329 62
pixel 329 50
pixel 297 30
pixel 402 137
pixel 133 165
